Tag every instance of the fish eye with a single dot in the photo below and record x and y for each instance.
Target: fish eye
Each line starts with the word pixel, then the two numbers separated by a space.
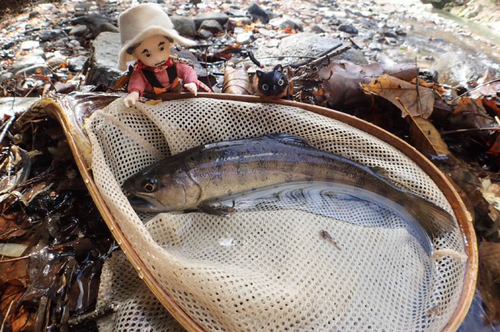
pixel 265 87
pixel 149 185
pixel 281 82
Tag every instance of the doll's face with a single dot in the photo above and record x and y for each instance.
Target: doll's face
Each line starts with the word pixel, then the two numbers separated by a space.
pixel 153 51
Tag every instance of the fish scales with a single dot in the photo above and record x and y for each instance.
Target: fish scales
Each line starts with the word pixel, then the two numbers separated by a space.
pixel 198 177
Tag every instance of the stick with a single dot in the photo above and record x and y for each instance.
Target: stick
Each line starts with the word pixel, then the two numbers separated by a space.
pixel 477 87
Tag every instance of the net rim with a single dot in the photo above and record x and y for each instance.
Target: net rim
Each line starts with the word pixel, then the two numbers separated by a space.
pixel 66 111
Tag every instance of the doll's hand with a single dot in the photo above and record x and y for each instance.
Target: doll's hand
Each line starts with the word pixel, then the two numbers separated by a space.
pixel 131 98
pixel 191 87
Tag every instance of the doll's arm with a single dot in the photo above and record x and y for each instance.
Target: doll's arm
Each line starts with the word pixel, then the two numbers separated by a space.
pixel 136 87
pixel 189 77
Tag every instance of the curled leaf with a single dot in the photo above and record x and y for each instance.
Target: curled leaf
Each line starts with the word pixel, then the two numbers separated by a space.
pixel 418 100
pixel 236 81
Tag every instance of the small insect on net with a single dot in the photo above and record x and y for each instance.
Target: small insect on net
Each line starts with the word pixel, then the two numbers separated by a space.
pixel 337 265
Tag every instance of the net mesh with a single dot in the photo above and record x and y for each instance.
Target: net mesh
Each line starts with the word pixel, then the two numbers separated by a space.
pixel 273 268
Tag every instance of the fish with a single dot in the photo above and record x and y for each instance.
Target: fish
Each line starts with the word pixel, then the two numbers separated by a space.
pixel 198 178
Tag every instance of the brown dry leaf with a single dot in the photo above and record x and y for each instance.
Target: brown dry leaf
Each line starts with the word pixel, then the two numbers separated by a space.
pixel 489 279
pixel 491 193
pixel 236 81
pixel 406 96
pixel 426 138
pixel 341 81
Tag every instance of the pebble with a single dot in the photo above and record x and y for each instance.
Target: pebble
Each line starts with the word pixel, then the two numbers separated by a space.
pixel 349 28
pixel 78 30
pixel 286 23
pixel 218 16
pixel 29 45
pixel 47 35
pixel 212 26
pixel 204 34
pixel 244 38
pixel 375 46
pixel 185 26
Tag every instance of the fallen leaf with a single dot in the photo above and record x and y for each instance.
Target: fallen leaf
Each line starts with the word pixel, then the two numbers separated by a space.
pixel 426 138
pixel 489 280
pixel 341 81
pixel 236 81
pixel 417 100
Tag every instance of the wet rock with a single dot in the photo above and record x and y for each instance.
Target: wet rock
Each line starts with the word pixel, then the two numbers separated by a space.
pixel 212 26
pixel 218 16
pixel 104 27
pixel 33 14
pixel 47 35
pixel 256 13
pixel 286 22
pixel 305 45
pixel 27 61
pixel 13 105
pixel 76 64
pixel 78 30
pixel 455 68
pixel 185 26
pixel 204 34
pixel 236 13
pixel 349 28
pixel 104 63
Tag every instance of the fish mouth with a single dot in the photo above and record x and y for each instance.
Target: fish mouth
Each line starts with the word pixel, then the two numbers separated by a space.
pixel 143 205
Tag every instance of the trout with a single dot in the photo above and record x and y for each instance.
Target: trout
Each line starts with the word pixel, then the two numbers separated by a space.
pixel 198 178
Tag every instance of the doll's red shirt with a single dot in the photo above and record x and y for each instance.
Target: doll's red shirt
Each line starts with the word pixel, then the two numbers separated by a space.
pixel 139 83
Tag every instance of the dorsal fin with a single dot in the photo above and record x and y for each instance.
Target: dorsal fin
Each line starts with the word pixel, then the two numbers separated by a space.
pixel 290 139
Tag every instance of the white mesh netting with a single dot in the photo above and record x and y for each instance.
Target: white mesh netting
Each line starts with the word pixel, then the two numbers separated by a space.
pixel 271 269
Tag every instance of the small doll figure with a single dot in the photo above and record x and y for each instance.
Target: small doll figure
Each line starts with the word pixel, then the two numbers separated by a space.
pixel 146 35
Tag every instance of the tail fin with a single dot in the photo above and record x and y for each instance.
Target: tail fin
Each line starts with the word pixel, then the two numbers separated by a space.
pixel 433 219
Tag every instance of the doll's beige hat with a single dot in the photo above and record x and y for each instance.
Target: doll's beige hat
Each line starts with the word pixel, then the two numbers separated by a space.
pixel 141 22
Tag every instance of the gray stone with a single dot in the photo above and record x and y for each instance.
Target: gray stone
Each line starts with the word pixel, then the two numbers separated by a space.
pixel 47 35
pixel 33 14
pixel 349 28
pixel 317 29
pixel 8 45
pixel 286 22
pixel 455 68
pixel 104 63
pixel 35 69
pixel 13 105
pixel 104 27
pixel 92 21
pixel 245 38
pixel 78 30
pixel 236 13
pixel 76 64
pixel 375 46
pixel 218 16
pixel 204 34
pixel 185 26
pixel 29 44
pixel 305 44
pixel 212 26
pixel 27 61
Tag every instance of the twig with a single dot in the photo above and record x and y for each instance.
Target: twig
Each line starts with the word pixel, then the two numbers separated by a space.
pixel 7 127
pixel 11 260
pixel 106 310
pixel 477 87
pixel 467 130
pixel 322 55
pixel 6 315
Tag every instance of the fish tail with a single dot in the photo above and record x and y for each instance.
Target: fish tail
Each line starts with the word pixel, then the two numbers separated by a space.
pixel 433 219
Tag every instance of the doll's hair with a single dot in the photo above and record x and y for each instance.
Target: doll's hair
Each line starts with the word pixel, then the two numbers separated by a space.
pixel 132 48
